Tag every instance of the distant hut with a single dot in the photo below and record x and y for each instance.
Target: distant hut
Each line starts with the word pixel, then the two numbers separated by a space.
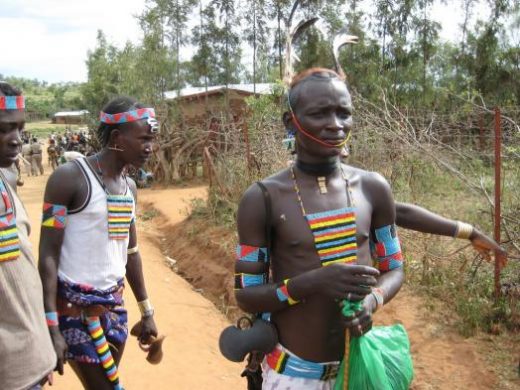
pixel 197 102
pixel 70 117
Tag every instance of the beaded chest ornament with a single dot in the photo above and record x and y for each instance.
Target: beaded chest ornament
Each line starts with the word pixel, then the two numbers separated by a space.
pixel 120 208
pixel 334 231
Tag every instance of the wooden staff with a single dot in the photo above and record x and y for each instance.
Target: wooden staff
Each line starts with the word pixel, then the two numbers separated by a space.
pixel 346 359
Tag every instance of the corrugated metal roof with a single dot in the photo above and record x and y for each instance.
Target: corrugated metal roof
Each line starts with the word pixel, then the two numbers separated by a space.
pixel 261 88
pixel 72 113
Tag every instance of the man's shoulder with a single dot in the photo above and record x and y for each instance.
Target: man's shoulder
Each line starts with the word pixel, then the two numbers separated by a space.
pixel 369 178
pixel 273 183
pixel 68 171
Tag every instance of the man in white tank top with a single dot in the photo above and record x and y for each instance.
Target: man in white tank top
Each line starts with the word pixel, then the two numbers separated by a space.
pixel 26 355
pixel 89 244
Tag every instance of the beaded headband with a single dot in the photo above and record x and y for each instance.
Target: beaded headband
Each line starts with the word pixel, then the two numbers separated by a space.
pixel 127 117
pixel 12 103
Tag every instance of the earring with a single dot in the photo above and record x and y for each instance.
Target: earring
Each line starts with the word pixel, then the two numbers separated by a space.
pixel 345 151
pixel 289 140
pixel 115 148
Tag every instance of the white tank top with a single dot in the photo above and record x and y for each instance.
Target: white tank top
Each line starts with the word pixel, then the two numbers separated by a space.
pixel 88 255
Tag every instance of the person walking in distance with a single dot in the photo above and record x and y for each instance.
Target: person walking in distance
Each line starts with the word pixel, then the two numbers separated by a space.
pixel 36 155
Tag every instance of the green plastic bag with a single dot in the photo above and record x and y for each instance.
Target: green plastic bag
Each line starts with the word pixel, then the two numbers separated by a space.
pixel 379 360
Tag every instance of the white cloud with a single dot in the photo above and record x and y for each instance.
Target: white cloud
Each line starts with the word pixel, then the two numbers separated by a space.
pixel 50 38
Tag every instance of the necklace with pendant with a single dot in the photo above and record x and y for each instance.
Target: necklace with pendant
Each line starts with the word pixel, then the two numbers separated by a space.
pixel 322 184
pixel 321 171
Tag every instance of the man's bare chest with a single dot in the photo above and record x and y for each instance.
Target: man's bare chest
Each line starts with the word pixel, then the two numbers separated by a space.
pixel 345 230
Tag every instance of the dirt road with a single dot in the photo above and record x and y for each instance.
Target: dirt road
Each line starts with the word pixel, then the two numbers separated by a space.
pixel 190 322
pixel 442 358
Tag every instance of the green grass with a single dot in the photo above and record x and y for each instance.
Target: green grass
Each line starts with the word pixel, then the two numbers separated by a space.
pixel 43 129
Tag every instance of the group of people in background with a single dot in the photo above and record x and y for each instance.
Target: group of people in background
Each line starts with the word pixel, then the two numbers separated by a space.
pixel 61 148
pixel 32 156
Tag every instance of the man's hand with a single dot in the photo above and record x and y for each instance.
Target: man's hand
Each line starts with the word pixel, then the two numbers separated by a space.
pixel 48 379
pixel 60 346
pixel 487 246
pixel 361 322
pixel 343 281
pixel 148 329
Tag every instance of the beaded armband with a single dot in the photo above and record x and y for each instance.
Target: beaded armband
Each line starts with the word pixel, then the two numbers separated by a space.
pixel 52 318
pixel 282 293
pixel 243 280
pixel 54 216
pixel 251 254
pixel 385 248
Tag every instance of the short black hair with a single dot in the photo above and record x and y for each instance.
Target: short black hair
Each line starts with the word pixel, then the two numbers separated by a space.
pixel 117 105
pixel 316 74
pixel 7 89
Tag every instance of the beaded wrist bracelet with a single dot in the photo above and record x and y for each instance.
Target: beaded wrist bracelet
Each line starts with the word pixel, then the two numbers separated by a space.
pixel 282 293
pixel 52 318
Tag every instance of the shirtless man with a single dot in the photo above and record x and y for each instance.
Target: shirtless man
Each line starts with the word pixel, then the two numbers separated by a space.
pixel 324 216
pixel 89 244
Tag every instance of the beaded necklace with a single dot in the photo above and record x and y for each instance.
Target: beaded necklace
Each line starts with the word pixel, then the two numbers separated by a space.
pixel 9 240
pixel 120 207
pixel 334 231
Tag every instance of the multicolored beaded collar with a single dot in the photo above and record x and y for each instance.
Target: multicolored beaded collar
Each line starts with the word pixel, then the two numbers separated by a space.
pixel 119 206
pixel 334 231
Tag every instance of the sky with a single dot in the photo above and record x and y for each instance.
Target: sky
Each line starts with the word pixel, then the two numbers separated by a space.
pixel 49 39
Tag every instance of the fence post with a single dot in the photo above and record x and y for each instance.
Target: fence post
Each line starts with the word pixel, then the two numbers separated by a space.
pixel 248 147
pixel 498 186
pixel 481 131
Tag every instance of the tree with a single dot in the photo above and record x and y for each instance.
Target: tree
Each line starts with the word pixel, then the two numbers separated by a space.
pixel 227 39
pixel 177 15
pixel 103 81
pixel 201 69
pixel 257 33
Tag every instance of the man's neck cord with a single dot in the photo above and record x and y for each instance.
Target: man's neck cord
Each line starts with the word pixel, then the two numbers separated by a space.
pixel 315 139
pixel 309 135
pixel 322 169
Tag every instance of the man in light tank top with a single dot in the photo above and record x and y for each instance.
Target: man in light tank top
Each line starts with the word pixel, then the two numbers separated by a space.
pixel 27 357
pixel 89 244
